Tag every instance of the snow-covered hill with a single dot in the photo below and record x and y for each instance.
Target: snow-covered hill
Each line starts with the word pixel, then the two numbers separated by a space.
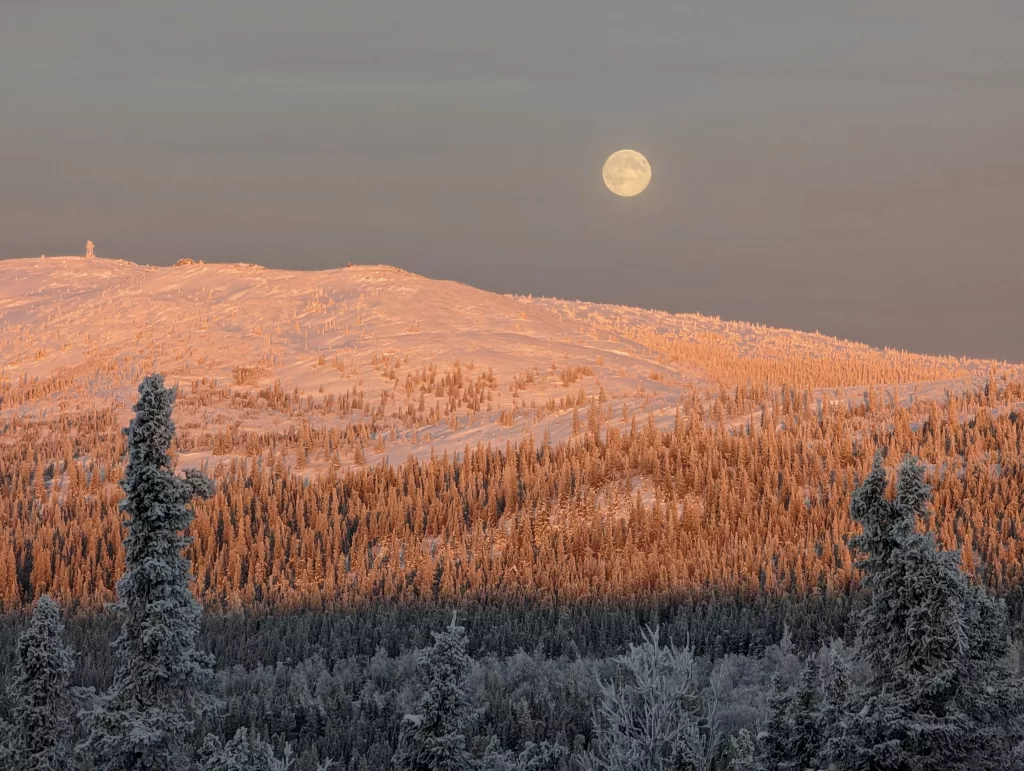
pixel 77 333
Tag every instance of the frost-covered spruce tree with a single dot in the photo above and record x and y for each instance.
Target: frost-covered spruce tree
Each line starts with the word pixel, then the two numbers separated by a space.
pixel 938 696
pixel 144 722
pixel 743 752
pixel 835 709
pixel 533 757
pixel 242 753
pixel 245 752
pixel 886 529
pixel 434 738
pixel 804 722
pixel 43 704
pixel 655 718
pixel 791 739
pixel 771 739
pixel 541 757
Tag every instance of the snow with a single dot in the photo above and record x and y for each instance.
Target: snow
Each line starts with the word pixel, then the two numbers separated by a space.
pixel 102 325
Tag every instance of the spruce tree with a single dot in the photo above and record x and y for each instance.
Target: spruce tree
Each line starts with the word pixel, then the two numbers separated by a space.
pixel 39 738
pixel 835 709
pixel 937 697
pixel 804 722
pixel 533 757
pixel 434 738
pixel 743 752
pixel 541 757
pixel 655 718
pixel 791 739
pixel 146 718
pixel 242 753
pixel 245 752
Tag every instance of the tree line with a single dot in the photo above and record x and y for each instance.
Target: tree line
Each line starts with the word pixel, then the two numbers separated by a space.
pixel 738 501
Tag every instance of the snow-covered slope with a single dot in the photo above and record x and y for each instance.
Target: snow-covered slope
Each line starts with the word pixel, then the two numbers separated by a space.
pixel 77 333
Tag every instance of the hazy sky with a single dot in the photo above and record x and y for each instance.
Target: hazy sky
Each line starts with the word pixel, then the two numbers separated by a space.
pixel 855 167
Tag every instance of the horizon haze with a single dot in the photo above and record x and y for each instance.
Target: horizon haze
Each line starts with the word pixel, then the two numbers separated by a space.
pixel 856 169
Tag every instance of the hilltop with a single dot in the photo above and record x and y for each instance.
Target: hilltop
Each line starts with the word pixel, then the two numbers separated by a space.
pixel 425 365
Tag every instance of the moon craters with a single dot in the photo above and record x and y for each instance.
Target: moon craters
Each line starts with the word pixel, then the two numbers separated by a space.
pixel 626 173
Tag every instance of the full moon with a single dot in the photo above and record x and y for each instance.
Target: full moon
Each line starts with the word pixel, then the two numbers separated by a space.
pixel 626 173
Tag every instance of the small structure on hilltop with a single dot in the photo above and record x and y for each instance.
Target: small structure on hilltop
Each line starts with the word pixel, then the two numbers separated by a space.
pixel 90 249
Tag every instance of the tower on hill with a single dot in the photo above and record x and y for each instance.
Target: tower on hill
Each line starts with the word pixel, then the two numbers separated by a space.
pixel 90 250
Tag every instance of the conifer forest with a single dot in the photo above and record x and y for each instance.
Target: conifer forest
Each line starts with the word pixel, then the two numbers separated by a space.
pixel 824 586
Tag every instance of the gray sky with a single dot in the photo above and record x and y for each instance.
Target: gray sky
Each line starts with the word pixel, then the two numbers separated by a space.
pixel 851 167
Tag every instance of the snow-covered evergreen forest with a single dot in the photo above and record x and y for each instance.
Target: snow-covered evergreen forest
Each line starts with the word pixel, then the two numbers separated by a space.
pixel 923 673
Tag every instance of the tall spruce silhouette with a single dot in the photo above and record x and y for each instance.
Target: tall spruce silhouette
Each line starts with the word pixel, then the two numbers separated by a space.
pixel 146 718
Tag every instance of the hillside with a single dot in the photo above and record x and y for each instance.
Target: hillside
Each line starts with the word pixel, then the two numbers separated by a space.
pixel 421 364
pixel 685 455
